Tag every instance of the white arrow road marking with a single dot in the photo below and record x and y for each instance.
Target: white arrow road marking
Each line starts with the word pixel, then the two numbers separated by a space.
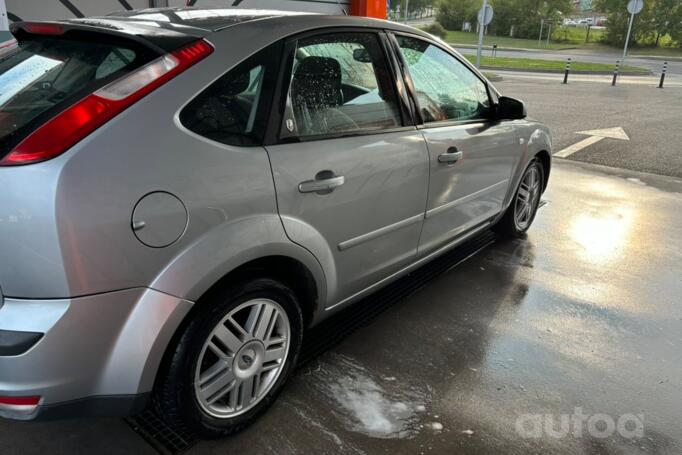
pixel 578 146
pixel 594 137
pixel 613 133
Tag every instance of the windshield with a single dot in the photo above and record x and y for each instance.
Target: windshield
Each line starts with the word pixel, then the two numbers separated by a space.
pixel 42 76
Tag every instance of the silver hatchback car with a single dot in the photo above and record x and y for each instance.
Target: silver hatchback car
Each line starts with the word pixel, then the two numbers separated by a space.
pixel 186 191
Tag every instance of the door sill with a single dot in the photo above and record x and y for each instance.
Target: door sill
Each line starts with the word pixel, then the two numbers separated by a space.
pixel 419 262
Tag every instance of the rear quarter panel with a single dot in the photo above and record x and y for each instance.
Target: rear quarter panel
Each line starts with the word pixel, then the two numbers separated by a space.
pixel 66 223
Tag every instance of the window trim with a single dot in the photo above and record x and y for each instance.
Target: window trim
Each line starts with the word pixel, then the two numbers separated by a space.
pixel 281 94
pixel 420 123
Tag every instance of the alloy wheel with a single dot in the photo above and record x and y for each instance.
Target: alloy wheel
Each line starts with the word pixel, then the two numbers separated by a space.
pixel 527 198
pixel 242 358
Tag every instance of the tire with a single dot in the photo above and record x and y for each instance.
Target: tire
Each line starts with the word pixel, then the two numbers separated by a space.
pixel 510 225
pixel 234 362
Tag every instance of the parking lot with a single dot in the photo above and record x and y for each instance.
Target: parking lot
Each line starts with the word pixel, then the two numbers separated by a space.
pixel 581 318
pixel 646 114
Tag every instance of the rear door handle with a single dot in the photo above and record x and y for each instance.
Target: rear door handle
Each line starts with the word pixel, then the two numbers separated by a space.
pixel 322 183
pixel 451 156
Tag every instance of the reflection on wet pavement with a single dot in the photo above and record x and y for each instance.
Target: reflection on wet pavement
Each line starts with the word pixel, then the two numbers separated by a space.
pixel 581 318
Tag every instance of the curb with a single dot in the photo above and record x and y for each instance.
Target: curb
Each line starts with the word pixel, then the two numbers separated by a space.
pixel 657 57
pixel 563 49
pixel 515 49
pixel 559 71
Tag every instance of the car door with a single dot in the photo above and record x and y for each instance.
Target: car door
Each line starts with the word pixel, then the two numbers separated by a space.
pixel 350 168
pixel 471 155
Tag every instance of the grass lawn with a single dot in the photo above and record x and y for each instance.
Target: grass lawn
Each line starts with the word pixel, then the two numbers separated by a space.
pixel 547 65
pixel 571 38
pixel 503 41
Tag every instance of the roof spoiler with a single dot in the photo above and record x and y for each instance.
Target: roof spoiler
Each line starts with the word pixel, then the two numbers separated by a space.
pixel 158 39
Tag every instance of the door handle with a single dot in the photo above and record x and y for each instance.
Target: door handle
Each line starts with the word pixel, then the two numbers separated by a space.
pixel 325 182
pixel 451 156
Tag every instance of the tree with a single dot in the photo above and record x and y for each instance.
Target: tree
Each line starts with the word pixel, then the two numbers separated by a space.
pixel 453 13
pixel 658 18
pixel 416 7
pixel 676 27
pixel 525 15
pixel 666 19
pixel 618 19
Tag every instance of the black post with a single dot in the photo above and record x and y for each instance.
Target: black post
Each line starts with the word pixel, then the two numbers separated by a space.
pixel 568 68
pixel 665 68
pixel 615 73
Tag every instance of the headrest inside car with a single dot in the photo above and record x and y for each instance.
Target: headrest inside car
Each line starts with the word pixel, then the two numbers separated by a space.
pixel 318 81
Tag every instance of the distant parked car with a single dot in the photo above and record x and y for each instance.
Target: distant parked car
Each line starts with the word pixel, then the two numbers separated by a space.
pixel 570 23
pixel 183 192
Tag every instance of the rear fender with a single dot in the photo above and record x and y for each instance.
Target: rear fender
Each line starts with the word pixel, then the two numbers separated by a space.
pixel 228 246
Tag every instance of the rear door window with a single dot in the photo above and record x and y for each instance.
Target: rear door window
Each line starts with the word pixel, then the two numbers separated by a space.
pixel 340 84
pixel 42 76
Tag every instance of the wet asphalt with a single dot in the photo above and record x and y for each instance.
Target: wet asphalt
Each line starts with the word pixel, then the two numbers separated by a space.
pixel 581 321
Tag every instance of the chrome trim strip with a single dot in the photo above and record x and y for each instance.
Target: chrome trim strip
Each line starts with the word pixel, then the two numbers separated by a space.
pixel 462 200
pixel 414 265
pixel 379 232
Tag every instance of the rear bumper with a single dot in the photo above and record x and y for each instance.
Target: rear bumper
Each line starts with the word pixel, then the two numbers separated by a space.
pixel 111 406
pixel 16 343
pixel 94 355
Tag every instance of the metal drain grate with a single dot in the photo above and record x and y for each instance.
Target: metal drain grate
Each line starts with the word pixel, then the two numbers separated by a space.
pixel 323 337
pixel 164 438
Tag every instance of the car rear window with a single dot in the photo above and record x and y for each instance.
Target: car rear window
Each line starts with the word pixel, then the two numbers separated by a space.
pixel 43 75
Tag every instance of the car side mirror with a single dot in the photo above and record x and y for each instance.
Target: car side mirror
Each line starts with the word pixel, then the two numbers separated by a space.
pixel 511 109
pixel 362 55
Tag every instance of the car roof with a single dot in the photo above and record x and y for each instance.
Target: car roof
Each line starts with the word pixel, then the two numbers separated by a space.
pixel 206 20
pixel 201 19
pixel 167 29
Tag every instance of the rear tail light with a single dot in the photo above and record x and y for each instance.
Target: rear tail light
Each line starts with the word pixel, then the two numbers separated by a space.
pixel 19 405
pixel 78 121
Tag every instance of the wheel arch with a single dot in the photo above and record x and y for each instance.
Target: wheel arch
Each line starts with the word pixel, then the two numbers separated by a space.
pixel 287 270
pixel 546 161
